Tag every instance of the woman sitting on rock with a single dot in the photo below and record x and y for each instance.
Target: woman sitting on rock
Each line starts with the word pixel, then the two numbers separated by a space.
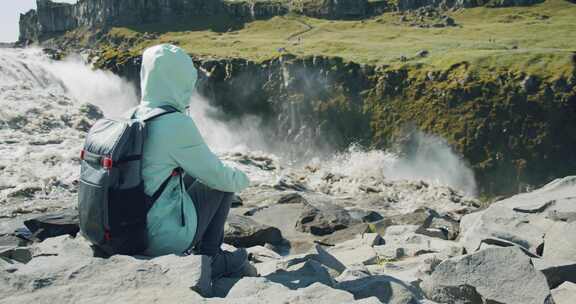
pixel 191 206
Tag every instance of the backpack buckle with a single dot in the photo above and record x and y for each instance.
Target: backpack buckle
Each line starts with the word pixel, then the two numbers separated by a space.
pixel 176 172
pixel 107 162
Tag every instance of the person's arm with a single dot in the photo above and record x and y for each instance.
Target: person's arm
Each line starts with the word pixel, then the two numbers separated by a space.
pixel 193 155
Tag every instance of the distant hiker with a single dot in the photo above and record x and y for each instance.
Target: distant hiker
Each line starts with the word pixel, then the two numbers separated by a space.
pixel 193 189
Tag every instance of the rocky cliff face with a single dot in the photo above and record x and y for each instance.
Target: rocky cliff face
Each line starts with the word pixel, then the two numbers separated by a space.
pixel 514 129
pixel 54 18
pixel 59 17
pixel 254 10
pixel 29 27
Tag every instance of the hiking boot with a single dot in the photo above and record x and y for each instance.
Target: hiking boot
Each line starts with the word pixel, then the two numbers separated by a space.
pixel 229 263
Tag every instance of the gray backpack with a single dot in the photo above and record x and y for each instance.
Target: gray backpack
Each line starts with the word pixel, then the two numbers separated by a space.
pixel 111 200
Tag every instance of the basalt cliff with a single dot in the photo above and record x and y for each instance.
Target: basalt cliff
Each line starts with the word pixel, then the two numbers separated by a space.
pixel 53 18
pixel 516 130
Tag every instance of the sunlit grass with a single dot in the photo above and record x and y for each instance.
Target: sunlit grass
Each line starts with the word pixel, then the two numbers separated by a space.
pixel 540 39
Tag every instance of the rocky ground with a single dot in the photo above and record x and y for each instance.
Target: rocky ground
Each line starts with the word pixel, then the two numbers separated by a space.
pixel 318 237
pixel 322 233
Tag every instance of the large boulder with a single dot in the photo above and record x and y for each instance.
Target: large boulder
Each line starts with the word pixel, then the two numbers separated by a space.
pixel 54 224
pixel 522 219
pixel 321 217
pixel 386 288
pixel 494 275
pixel 556 271
pixel 242 231
pixel 565 294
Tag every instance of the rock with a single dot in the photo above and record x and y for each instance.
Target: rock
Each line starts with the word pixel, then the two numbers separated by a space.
pixel 320 217
pixel 287 183
pixel 262 290
pixel 54 224
pixel 302 275
pixel 418 217
pixel 8 266
pixel 441 226
pixel 329 260
pixel 423 53
pixel 556 271
pixel 347 234
pixel 405 241
pixel 63 265
pixel 494 275
pixel 10 240
pixel 354 252
pixel 261 254
pixel 400 230
pixel 372 239
pixel 283 217
pixel 386 288
pixel 562 216
pixel 241 231
pixel 366 216
pixel 560 242
pixel 18 254
pixel 565 294
pixel 430 264
pixel 193 272
pixel 27 190
pixel 398 249
pixel 449 21
pixel 292 198
pixel 522 219
pixel 67 246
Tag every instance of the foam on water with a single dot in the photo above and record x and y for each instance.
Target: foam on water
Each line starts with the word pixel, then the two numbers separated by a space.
pixel 43 116
pixel 39 98
pixel 30 71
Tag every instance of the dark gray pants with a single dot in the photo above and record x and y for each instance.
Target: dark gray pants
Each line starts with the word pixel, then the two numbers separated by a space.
pixel 212 208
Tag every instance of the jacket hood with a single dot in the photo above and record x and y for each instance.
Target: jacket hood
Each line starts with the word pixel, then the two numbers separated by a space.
pixel 168 77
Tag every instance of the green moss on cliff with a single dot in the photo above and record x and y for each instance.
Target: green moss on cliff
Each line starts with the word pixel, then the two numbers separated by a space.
pixel 539 40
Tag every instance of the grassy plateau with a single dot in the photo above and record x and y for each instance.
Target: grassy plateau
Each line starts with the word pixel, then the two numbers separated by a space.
pixel 539 39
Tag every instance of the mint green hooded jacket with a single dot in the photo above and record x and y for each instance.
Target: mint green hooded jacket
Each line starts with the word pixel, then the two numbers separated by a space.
pixel 168 77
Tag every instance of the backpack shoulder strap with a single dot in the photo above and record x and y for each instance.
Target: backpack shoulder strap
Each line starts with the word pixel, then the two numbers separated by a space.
pixel 159 111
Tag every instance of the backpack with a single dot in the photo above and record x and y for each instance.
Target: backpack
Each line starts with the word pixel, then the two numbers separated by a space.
pixel 112 204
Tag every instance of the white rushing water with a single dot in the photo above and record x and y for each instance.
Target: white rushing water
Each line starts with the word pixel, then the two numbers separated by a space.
pixel 41 129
